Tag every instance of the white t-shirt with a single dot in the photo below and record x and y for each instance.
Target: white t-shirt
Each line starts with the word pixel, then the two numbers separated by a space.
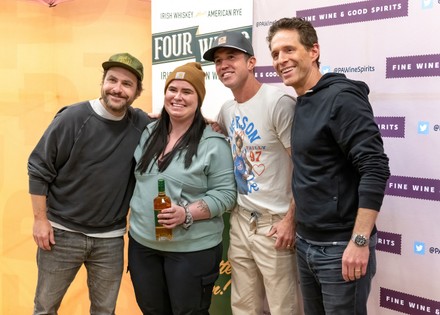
pixel 262 166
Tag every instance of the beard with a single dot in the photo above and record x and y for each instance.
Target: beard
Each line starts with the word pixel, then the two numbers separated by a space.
pixel 116 108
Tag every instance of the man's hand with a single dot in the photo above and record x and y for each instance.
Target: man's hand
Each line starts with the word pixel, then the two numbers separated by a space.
pixel 355 261
pixel 284 232
pixel 43 234
pixel 154 115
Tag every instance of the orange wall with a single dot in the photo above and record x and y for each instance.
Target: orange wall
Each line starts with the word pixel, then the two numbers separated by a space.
pixel 51 57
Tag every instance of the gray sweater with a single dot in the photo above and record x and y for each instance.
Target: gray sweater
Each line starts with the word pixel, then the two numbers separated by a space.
pixel 84 165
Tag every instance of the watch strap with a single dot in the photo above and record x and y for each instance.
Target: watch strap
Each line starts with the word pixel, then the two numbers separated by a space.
pixel 188 216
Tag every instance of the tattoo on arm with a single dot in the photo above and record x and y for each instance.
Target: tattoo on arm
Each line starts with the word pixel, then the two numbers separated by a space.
pixel 202 206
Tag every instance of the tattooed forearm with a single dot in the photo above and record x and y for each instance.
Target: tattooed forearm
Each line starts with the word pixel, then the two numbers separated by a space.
pixel 202 206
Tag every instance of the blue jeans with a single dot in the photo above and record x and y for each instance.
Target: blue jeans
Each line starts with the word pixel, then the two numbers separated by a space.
pixel 103 259
pixel 324 290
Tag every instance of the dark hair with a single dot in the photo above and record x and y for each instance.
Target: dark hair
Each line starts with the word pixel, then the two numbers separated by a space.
pixel 139 86
pixel 157 142
pixel 305 29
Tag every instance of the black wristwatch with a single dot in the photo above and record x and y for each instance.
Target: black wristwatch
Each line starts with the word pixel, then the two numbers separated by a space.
pixel 360 240
pixel 188 216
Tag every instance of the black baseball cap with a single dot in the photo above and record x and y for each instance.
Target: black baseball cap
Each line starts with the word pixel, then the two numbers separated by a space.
pixel 229 39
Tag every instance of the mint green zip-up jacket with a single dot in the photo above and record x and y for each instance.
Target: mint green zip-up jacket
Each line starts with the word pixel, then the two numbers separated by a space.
pixel 210 177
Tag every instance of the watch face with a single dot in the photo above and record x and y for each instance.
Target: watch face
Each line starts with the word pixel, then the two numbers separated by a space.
pixel 360 240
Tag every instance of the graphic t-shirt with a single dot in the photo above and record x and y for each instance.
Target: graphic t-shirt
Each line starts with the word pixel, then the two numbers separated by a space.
pixel 259 133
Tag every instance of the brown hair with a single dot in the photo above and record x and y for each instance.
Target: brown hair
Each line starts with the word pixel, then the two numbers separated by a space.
pixel 305 29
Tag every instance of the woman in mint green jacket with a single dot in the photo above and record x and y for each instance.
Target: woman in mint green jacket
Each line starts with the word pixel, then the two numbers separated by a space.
pixel 177 276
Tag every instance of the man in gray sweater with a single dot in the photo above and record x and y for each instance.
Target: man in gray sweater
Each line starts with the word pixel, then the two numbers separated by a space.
pixel 81 181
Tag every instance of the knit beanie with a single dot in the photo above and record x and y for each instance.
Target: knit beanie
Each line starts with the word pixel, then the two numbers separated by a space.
pixel 192 73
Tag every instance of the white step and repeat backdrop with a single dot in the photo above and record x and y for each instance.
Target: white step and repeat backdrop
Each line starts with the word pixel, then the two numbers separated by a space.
pixel 393 46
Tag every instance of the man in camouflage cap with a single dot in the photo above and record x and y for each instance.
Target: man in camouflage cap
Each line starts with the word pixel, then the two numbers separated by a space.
pixel 81 181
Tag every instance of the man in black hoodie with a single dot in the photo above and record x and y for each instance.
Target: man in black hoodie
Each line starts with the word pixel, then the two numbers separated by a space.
pixel 340 174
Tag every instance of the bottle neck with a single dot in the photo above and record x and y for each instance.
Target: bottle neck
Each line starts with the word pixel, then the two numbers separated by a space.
pixel 161 187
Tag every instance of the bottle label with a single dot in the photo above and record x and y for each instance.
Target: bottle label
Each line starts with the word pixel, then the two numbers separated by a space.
pixel 156 220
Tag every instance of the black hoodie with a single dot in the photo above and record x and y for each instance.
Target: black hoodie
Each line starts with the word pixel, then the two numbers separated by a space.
pixel 339 160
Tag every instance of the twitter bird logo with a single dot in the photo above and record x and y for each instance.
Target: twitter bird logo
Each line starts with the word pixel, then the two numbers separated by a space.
pixel 427 4
pixel 419 248
pixel 325 69
pixel 423 127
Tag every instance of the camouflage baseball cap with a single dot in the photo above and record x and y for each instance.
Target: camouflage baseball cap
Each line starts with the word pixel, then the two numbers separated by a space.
pixel 126 61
